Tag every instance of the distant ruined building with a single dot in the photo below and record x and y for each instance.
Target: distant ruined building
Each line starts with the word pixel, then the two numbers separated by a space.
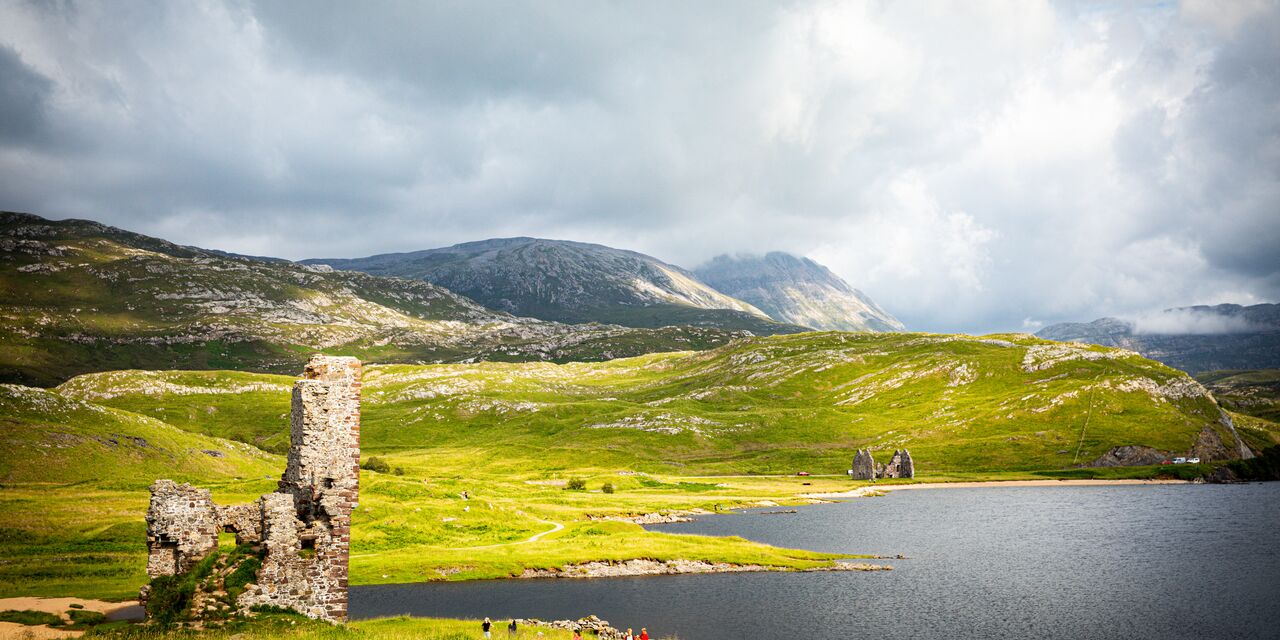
pixel 303 530
pixel 865 467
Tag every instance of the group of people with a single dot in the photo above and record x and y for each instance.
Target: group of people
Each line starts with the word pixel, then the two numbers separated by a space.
pixel 487 627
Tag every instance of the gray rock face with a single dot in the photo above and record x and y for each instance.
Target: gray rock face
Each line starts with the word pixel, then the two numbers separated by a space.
pixel 1198 339
pixel 1129 456
pixel 798 291
pixel 570 282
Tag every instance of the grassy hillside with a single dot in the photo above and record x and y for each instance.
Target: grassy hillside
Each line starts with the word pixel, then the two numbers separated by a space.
pixel 765 405
pixel 77 296
pixel 666 431
pixel 73 489
pixel 51 437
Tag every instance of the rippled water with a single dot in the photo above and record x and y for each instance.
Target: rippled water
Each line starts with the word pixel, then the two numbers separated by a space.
pixel 1168 561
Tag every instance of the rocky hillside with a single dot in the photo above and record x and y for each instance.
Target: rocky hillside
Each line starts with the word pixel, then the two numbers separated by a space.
pixel 571 282
pixel 797 291
pixel 1194 339
pixel 762 405
pixel 1255 392
pixel 78 296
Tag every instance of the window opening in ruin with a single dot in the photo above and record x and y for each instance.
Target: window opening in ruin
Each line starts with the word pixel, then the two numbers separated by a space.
pixel 308 548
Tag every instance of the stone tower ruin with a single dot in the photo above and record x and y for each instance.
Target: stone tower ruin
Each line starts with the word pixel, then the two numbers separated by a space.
pixel 303 529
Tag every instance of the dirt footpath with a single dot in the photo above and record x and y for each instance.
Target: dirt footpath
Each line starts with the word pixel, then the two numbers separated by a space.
pixel 57 606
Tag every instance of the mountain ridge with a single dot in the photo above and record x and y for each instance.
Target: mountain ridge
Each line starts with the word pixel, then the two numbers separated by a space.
pixel 1195 339
pixel 78 296
pixel 570 281
pixel 797 290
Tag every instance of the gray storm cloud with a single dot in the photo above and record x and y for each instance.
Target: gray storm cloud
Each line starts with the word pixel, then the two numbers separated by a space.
pixel 971 167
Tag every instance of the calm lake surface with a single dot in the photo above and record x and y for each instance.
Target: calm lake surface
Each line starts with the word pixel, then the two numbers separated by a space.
pixel 1162 561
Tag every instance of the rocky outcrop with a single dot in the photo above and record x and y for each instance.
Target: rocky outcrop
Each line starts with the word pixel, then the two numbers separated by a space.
pixel 1208 447
pixel 1129 456
pixel 649 567
pixel 589 626
pixel 304 528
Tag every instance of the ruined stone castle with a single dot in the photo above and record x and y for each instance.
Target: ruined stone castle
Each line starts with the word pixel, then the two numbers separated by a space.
pixel 304 527
pixel 866 468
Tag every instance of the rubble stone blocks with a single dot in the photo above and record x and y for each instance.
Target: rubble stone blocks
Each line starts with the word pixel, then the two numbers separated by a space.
pixel 866 468
pixel 305 526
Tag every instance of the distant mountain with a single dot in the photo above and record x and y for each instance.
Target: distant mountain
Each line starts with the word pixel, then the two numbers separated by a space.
pixel 1194 339
pixel 796 290
pixel 570 282
pixel 77 296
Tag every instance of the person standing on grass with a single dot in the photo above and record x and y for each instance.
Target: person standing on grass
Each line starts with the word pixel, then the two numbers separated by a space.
pixel 577 634
pixel 486 625
pixel 644 633
pixel 630 636
pixel 511 628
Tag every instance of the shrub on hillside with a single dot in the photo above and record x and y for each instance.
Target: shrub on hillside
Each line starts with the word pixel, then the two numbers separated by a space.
pixel 607 487
pixel 375 463
pixel 576 484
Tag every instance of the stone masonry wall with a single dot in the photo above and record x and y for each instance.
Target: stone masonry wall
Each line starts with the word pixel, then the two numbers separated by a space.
pixel 307 523
pixel 866 468
pixel 182 527
pixel 304 527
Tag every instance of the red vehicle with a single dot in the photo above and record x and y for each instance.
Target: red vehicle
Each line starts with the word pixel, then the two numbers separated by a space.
pixel 803 473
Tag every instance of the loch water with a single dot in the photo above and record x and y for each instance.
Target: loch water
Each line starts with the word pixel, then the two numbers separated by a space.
pixel 1121 561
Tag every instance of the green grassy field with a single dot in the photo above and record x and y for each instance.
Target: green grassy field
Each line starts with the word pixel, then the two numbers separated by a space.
pixel 277 626
pixel 678 431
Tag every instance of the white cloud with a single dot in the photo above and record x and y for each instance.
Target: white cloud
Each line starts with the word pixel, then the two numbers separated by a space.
pixel 1190 322
pixel 968 165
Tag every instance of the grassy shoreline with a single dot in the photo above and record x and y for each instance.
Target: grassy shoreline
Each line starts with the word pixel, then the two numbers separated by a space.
pixel 88 542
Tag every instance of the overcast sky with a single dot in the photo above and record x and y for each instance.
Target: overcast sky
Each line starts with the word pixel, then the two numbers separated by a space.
pixel 972 166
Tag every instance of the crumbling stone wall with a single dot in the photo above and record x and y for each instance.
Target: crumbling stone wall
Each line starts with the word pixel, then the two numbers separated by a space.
pixel 182 527
pixel 304 528
pixel 244 520
pixel 307 523
pixel 866 468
